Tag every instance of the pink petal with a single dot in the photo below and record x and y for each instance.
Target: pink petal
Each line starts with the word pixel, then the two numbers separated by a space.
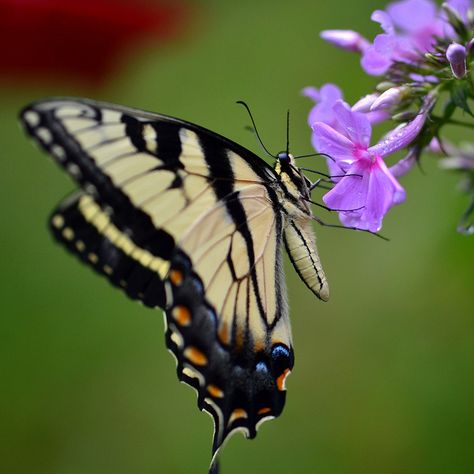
pixel 330 93
pixel 384 20
pixel 365 199
pixel 355 125
pixel 322 111
pixel 412 15
pixel 381 172
pixel 337 169
pixel 312 93
pixel 377 117
pixel 329 141
pixel 384 192
pixel 350 192
pixel 404 165
pixel 377 58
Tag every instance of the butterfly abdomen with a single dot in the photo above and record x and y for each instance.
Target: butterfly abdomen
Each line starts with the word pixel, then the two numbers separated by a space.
pixel 301 246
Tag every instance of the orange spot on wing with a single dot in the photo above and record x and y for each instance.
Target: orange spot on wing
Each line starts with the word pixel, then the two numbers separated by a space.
pixel 239 339
pixel 195 356
pixel 223 334
pixel 264 410
pixel 281 380
pixel 181 315
pixel 215 391
pixel 259 345
pixel 176 277
pixel 236 414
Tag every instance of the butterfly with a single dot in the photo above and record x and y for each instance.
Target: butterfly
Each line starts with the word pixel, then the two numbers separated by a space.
pixel 183 219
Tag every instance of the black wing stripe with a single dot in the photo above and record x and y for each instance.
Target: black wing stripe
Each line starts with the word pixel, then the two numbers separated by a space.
pixel 134 131
pixel 168 143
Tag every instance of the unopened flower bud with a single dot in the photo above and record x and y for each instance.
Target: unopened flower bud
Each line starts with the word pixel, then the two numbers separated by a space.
pixel 364 103
pixel 384 86
pixel 390 98
pixel 345 39
pixel 456 54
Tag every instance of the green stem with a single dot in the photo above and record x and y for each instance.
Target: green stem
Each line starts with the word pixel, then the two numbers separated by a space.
pixel 471 83
pixel 459 122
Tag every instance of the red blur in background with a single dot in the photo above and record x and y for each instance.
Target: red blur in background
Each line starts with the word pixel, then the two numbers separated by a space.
pixel 83 41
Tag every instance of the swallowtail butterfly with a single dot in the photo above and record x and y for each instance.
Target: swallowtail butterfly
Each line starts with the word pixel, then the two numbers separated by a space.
pixel 183 219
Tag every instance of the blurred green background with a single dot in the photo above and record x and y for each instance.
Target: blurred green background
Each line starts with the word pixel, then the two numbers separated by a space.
pixel 384 374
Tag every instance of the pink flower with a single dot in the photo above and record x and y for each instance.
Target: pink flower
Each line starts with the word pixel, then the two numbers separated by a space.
pixel 410 27
pixel 369 189
pixel 323 111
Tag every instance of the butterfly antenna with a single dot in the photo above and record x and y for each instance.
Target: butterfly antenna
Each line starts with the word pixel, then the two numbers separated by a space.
pixel 337 226
pixel 322 154
pixel 315 154
pixel 288 131
pixel 241 102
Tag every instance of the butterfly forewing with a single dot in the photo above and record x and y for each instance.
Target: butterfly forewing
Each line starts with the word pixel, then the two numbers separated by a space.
pixel 184 219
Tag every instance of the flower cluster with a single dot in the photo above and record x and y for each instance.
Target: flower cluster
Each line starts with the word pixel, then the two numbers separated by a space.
pixel 424 56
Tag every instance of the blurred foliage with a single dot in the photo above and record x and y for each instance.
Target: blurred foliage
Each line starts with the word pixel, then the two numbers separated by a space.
pixel 383 381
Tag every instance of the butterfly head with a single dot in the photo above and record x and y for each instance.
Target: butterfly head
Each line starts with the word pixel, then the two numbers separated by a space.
pixel 285 158
pixel 285 163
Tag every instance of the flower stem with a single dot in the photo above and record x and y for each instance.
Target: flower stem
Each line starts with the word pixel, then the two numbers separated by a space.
pixel 459 122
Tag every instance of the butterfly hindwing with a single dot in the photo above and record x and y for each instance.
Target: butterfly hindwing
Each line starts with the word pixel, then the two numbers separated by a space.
pixel 228 324
pixel 88 231
pixel 191 214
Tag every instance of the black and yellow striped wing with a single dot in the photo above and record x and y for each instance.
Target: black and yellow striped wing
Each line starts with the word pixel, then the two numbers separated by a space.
pixel 188 221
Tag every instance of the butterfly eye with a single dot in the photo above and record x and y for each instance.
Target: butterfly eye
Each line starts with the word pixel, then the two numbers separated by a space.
pixel 284 157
